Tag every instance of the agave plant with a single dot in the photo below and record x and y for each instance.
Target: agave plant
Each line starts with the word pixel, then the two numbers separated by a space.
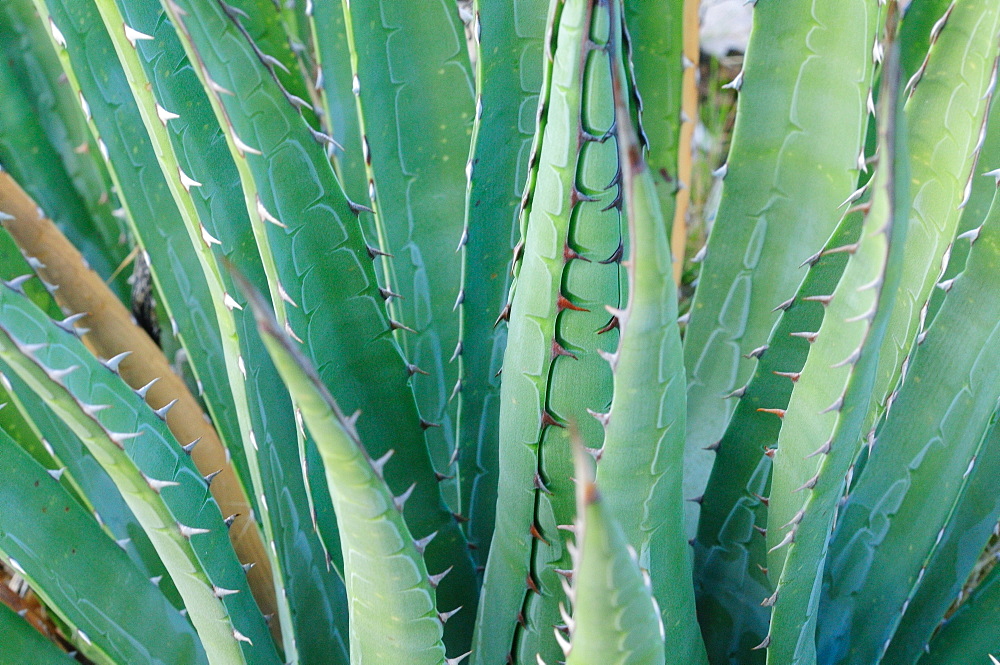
pixel 395 276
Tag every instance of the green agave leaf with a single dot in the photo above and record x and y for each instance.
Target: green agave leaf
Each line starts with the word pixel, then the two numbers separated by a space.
pixel 156 477
pixel 391 596
pixel 974 212
pixel 416 115
pixel 46 145
pixel 891 531
pixel 315 257
pixel 507 99
pixel 975 518
pixel 92 68
pixel 327 24
pixel 52 443
pixel 641 462
pixel 960 69
pixel 23 644
pixel 656 52
pixel 615 617
pixel 806 78
pixel 269 26
pixel 972 633
pixel 731 550
pixel 823 423
pixel 553 373
pixel 918 30
pixel 115 612
pixel 308 590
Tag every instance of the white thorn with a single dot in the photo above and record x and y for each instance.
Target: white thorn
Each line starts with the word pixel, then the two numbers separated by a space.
pixel 119 438
pixel 240 637
pixel 243 147
pixel 165 409
pixel 158 485
pixel 231 303
pixel 164 115
pixel 57 34
pixel 141 392
pixel 188 531
pixel 208 237
pixel 284 296
pixel 113 362
pixel 187 181
pixel 266 216
pixel 736 83
pixel 134 36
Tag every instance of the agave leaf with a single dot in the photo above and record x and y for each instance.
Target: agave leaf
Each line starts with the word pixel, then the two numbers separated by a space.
pixel 80 573
pixel 340 112
pixel 393 616
pixel 276 468
pixel 974 519
pixel 615 617
pixel 157 479
pixel 641 460
pixel 942 177
pixel 270 26
pixel 311 223
pixel 917 29
pixel 891 530
pixel 974 212
pixel 504 32
pixel 415 116
pixel 731 551
pixel 23 643
pixel 823 422
pixel 46 145
pixel 971 634
pixel 552 370
pixel 113 333
pixel 664 65
pixel 91 67
pixel 805 79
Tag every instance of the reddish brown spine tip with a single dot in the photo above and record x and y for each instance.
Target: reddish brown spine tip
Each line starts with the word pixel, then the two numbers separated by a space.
pixel 426 424
pixel 536 534
pixel 777 412
pixel 547 420
pixel 559 350
pixel 504 315
pixel 616 256
pixel 794 376
pixel 569 254
pixel 770 452
pixel 530 581
pixel 564 303
pixel 523 624
pixel 540 484
pixel 461 519
pixel 612 325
